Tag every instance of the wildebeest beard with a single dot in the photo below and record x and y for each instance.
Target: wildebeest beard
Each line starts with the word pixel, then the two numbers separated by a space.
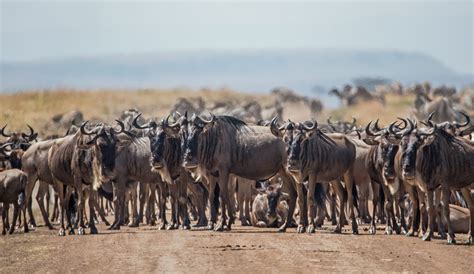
pixel 388 154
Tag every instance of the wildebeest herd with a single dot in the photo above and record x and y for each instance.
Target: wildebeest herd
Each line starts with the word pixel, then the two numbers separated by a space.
pixel 417 172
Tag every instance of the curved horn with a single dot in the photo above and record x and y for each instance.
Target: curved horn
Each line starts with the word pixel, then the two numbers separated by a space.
pixel 313 127
pixel 376 126
pixel 468 120
pixel 121 125
pixel 430 116
pixel 213 118
pixel 392 131
pixel 32 131
pixel 354 120
pixel 135 123
pixel 84 131
pixel 369 132
pixel 411 125
pixel 2 131
pixel 166 123
pixel 329 120
pixel 405 123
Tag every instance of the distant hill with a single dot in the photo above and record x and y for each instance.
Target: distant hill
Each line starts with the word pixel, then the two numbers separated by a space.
pixel 256 70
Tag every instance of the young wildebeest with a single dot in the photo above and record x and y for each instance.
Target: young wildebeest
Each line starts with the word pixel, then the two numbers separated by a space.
pixel 270 206
pixel 12 191
pixel 225 145
pixel 432 157
pixel 317 157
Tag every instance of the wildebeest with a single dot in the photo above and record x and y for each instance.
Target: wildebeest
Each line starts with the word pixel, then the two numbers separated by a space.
pixel 317 157
pixel 225 145
pixel 12 191
pixel 433 158
pixel 166 159
pixel 270 206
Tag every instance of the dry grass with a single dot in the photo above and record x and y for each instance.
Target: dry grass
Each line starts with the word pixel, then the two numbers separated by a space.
pixel 395 106
pixel 37 107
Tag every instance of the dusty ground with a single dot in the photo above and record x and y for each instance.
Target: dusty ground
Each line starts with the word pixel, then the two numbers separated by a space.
pixel 147 249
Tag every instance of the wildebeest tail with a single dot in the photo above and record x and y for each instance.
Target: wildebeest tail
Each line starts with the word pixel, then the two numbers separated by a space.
pixel 107 195
pixel 355 196
pixel 21 198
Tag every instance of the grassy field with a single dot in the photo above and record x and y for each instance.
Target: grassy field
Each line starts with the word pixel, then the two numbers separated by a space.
pixel 38 106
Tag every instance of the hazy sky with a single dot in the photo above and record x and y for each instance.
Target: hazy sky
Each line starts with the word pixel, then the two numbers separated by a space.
pixel 38 29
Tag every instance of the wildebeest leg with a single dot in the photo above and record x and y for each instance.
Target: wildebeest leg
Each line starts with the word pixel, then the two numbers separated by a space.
pixel 162 205
pixel 292 188
pixel 445 208
pixel 62 204
pixel 247 204
pixel 42 191
pixel 6 207
pixel 431 216
pixel 311 202
pixel 466 193
pixel 213 202
pixel 375 198
pixel 151 204
pixel 439 222
pixel 95 203
pixel 48 198
pixel 55 213
pixel 226 204
pixel 29 203
pixel 183 202
pixel 92 205
pixel 391 221
pixel 31 181
pixel 4 219
pixel 423 213
pixel 341 194
pixel 174 206
pixel 414 220
pixel 16 209
pixel 333 205
pixel 134 220
pixel 350 200
pixel 199 195
pixel 240 205
pixel 69 218
pixel 80 204
pixel 142 198
pixel 119 188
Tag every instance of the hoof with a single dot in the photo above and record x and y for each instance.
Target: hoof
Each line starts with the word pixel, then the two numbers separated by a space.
pixel 388 230
pixel 282 229
pixel 334 222
pixel 10 231
pixel 26 229
pixel 311 229
pixel 426 237
pixel 94 230
pixel 162 226
pixel 469 240
pixel 71 231
pixel 80 231
pixel 62 232
pixel 372 230
pixel 300 229
pixel 410 233
pixel 185 227
pixel 451 240
pixel 133 225
pixel 210 226
pixel 106 223
pixel 337 230
pixel 219 228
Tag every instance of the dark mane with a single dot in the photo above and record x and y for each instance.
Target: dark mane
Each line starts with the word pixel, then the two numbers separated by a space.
pixel 233 121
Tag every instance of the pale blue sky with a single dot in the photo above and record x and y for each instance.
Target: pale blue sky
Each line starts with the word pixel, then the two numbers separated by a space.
pixel 43 30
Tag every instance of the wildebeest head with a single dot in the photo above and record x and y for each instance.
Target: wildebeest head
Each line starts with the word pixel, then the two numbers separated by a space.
pixel 300 136
pixel 454 128
pixel 105 141
pixel 410 140
pixel 274 195
pixel 19 140
pixel 387 147
pixel 197 127
pixel 284 131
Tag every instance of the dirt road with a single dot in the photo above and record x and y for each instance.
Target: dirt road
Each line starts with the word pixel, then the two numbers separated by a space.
pixel 147 249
